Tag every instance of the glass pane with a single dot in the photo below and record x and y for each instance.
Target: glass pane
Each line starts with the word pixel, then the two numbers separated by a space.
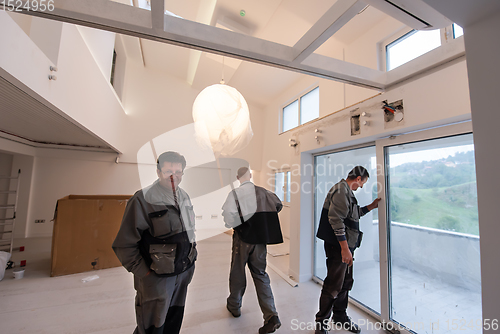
pixel 411 46
pixel 288 183
pixel 291 116
pixel 330 169
pixel 309 106
pixel 434 236
pixel 279 185
pixel 457 30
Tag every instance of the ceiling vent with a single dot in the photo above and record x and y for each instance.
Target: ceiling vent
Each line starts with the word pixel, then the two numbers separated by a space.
pixel 414 13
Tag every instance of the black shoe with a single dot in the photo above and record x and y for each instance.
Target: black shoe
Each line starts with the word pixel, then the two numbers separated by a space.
pixel 235 314
pixel 321 331
pixel 346 324
pixel 271 325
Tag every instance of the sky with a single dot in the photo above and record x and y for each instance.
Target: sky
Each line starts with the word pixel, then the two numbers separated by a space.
pixel 397 159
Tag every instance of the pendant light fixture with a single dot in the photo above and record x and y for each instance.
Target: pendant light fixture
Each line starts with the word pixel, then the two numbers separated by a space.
pixel 222 119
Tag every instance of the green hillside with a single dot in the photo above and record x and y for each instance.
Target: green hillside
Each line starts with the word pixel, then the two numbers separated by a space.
pixel 448 208
pixel 439 193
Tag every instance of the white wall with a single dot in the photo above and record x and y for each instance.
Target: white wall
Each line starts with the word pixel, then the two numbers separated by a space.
pixel 46 34
pixel 80 91
pixel 483 51
pixel 101 45
pixel 366 51
pixel 62 173
pixel 24 21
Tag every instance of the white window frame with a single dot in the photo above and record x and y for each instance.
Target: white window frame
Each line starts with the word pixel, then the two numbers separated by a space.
pixel 446 37
pixel 296 98
pixel 286 194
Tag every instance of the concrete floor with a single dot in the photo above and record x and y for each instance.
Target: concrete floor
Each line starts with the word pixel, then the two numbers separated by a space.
pixel 42 304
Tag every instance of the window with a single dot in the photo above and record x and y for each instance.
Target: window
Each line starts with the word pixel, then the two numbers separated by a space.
pixel 457 30
pixel 302 110
pixel 282 181
pixel 410 46
pixel 413 44
pixel 291 116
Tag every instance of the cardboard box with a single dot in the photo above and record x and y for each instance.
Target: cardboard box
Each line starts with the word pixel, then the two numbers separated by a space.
pixel 84 230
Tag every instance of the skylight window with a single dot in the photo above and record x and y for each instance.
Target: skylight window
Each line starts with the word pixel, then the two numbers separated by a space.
pixel 410 46
pixel 457 30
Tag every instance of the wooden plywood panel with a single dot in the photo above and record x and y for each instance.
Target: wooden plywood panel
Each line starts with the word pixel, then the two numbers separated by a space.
pixel 84 230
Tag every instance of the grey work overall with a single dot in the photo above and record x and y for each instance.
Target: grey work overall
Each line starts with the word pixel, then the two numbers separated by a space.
pixel 156 242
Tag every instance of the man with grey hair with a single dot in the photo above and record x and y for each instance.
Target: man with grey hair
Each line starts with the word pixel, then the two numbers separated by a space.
pixel 252 212
pixel 156 242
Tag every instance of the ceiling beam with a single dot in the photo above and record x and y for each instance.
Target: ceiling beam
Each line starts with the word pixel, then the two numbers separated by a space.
pixel 331 22
pixel 129 20
pixel 157 14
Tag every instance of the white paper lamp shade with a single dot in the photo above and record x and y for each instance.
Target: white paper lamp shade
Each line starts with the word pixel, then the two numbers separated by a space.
pixel 222 120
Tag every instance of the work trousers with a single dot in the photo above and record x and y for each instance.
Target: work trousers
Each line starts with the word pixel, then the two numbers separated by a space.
pixel 159 302
pixel 336 286
pixel 255 257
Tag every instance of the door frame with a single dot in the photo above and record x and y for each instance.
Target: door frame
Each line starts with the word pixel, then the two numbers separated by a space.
pixel 382 181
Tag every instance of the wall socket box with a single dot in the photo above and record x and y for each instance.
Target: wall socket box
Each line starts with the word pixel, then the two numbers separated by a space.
pixel 355 125
pixel 214 216
pixel 199 217
pixel 395 119
pixel 39 221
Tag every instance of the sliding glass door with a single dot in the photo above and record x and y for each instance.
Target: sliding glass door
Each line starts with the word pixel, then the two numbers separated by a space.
pixel 434 262
pixel 329 169
pixel 418 268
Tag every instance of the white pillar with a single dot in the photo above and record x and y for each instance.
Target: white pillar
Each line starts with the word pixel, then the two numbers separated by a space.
pixel 482 45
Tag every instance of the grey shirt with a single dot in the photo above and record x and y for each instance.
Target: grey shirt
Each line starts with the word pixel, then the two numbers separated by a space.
pixel 341 205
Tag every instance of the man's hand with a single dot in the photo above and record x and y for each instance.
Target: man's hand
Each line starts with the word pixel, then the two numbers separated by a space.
pixel 374 204
pixel 346 253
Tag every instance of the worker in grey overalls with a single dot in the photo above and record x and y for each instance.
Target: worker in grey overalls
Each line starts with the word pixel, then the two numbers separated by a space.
pixel 339 229
pixel 156 242
pixel 252 212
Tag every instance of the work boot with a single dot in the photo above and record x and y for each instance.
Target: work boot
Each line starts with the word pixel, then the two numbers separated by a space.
pixel 346 323
pixel 320 328
pixel 271 325
pixel 235 314
pixel 321 331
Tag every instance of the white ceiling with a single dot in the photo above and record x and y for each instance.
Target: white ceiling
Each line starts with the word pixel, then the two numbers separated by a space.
pixel 280 21
pixel 278 29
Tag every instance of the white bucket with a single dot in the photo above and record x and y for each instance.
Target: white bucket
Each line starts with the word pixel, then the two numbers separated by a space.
pixel 18 274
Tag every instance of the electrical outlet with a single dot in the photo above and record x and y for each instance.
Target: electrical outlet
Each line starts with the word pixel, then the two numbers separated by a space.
pixel 39 221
